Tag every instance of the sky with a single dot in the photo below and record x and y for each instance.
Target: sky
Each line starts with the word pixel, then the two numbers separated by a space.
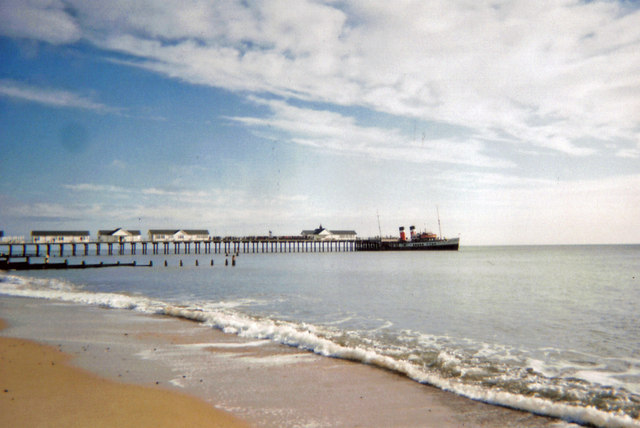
pixel 517 121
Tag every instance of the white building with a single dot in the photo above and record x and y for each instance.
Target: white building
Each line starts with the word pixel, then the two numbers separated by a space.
pixel 60 236
pixel 322 234
pixel 119 235
pixel 178 235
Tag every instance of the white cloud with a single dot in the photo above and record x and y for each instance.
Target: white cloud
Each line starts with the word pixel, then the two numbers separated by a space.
pixel 90 187
pixel 48 96
pixel 330 131
pixel 546 73
pixel 44 20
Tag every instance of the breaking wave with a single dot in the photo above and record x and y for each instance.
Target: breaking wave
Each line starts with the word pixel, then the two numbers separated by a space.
pixel 425 359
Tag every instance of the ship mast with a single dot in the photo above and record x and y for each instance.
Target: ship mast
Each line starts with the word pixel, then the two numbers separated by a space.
pixel 439 228
pixel 379 229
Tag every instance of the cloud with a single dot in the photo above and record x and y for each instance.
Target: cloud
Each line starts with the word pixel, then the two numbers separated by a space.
pixel 547 74
pixel 489 207
pixel 538 75
pixel 227 210
pixel 90 187
pixel 48 96
pixel 188 198
pixel 45 20
pixel 329 131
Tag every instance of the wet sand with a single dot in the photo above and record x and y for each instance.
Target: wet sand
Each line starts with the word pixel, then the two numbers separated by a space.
pixel 263 383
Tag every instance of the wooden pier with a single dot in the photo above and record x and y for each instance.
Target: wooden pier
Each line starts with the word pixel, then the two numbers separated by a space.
pixel 216 246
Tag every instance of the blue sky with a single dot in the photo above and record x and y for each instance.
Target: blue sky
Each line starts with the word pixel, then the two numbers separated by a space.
pixel 519 120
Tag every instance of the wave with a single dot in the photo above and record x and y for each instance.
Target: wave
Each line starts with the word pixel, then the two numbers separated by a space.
pixel 418 357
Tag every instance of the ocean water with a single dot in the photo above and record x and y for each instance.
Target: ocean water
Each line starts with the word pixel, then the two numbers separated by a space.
pixel 553 330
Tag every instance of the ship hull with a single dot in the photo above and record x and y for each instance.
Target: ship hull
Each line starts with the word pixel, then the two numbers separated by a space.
pixel 434 245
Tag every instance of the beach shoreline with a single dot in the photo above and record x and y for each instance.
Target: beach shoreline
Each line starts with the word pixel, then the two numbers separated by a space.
pixel 260 382
pixel 40 386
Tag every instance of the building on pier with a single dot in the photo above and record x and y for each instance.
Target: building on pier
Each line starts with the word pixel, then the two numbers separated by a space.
pixel 60 236
pixel 322 234
pixel 178 235
pixel 119 235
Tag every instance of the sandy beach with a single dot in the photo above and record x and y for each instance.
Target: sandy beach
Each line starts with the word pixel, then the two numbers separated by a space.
pixel 40 388
pixel 87 366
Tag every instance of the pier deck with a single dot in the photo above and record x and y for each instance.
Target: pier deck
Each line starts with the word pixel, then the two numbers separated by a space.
pixel 216 246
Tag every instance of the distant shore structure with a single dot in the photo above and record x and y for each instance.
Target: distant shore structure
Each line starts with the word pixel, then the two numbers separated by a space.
pixel 60 236
pixel 322 234
pixel 119 235
pixel 179 235
pixel 176 241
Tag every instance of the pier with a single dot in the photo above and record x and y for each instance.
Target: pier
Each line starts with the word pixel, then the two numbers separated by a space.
pixel 214 246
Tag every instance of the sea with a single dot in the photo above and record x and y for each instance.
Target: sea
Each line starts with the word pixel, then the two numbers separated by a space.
pixel 553 330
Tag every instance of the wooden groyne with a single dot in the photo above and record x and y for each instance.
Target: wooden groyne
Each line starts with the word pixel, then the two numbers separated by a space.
pixel 222 246
pixel 25 264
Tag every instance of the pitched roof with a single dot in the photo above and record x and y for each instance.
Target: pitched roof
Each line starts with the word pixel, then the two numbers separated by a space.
pixel 111 232
pixel 321 229
pixel 60 233
pixel 162 231
pixel 195 231
pixel 174 231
